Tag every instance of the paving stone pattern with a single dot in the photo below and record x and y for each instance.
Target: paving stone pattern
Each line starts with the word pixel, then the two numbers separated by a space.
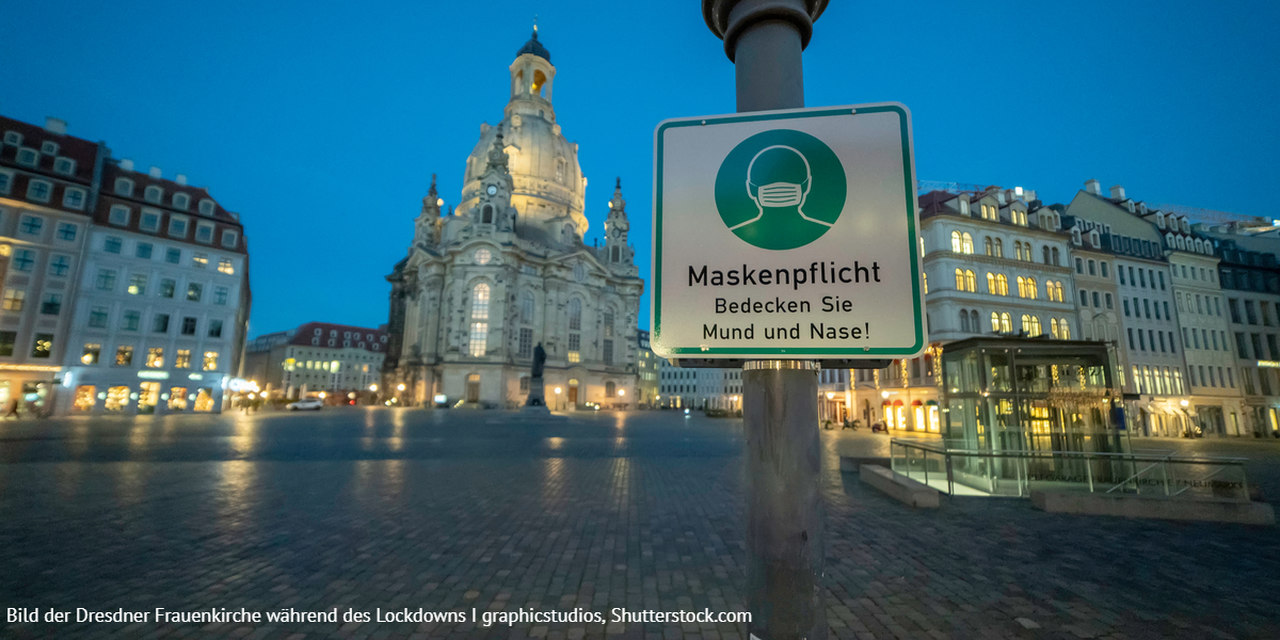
pixel 450 511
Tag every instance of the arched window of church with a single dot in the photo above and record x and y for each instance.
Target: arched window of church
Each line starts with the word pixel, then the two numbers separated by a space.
pixel 616 254
pixel 575 314
pixel 486 214
pixel 560 165
pixel 479 333
pixel 526 308
pixel 539 79
pixel 608 323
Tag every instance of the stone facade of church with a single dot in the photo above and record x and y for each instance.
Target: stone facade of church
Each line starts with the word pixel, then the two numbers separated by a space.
pixel 483 285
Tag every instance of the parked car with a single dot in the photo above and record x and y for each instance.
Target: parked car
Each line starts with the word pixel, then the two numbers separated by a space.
pixel 305 404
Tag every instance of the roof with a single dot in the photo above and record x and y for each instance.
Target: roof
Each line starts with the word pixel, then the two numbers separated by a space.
pixel 373 339
pixel 82 151
pixel 534 47
pixel 143 180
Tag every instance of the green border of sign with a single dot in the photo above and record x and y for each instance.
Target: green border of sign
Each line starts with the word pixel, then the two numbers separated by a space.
pixel 908 177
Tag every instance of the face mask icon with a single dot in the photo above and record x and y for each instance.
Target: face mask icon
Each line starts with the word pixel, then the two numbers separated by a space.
pixel 778 177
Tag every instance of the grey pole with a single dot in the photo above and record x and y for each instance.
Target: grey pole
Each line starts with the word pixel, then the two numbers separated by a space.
pixel 785 530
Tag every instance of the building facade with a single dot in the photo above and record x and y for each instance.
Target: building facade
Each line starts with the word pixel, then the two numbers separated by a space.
pixel 47 182
pixel 161 316
pixel 995 263
pixel 344 362
pixel 1249 275
pixel 699 388
pixel 483 286
pixel 647 372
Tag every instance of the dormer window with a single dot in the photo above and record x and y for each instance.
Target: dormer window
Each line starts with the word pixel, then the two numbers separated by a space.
pixel 1075 236
pixel 12 137
pixel 206 207
pixel 124 187
pixel 28 157
pixel 49 147
pixel 181 201
pixel 230 238
pixel 153 194
pixel 1160 219
pixel 64 166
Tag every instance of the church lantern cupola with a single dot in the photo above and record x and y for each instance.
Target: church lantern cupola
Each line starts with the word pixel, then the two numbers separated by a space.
pixel 532 76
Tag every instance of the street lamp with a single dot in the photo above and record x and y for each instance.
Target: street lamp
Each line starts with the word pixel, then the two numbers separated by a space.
pixel 400 387
pixel 557 390
pixel 373 388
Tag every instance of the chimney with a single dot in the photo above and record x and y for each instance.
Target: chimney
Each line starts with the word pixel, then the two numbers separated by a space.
pixel 126 164
pixel 155 172
pixel 55 125
pixel 1117 192
pixel 181 179
pixel 1093 186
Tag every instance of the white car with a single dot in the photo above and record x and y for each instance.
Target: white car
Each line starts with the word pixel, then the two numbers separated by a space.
pixel 305 403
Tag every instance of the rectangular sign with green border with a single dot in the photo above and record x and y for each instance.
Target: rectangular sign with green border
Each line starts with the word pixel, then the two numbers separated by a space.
pixel 787 234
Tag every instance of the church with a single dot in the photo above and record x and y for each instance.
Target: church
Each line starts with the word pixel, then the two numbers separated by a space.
pixel 508 270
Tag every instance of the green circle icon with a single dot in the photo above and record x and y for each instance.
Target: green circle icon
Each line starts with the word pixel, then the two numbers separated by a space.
pixel 780 189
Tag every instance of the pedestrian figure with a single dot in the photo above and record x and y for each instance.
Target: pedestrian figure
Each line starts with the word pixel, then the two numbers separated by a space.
pixel 11 408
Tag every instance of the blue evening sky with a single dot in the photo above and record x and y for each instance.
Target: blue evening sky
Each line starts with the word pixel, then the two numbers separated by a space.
pixel 321 122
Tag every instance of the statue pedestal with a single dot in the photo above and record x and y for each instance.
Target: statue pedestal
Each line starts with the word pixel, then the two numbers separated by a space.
pixel 536 402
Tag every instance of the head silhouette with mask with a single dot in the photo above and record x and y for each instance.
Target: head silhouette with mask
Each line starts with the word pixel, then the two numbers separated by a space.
pixel 779 177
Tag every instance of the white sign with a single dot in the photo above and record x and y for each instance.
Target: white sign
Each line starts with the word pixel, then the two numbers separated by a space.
pixel 787 234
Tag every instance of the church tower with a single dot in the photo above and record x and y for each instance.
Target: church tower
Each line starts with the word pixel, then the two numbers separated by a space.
pixel 619 256
pixel 426 227
pixel 493 208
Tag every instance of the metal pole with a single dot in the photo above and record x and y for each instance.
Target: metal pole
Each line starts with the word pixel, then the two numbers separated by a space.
pixel 785 530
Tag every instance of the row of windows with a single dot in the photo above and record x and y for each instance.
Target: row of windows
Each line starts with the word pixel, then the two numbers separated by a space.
pixel 166 287
pixel 1002 322
pixel 155 194
pixel 1202 305
pixel 346 335
pixel 1158 381
pixel 1142 278
pixel 33 225
pixel 1149 340
pixel 42 191
pixel 1099 299
pixel 1256 341
pixel 1095 267
pixel 1202 339
pixel 998 284
pixel 962 242
pixel 131 320
pixel 15 300
pixel 150 220
pixel 29 157
pixel 1211 380
pixel 155 357
pixel 25 261
pixel 1145 309
pixel 41 344
pixel 1251 311
pixel 145 250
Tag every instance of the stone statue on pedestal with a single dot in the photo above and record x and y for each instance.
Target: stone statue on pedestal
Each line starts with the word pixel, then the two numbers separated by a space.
pixel 536 388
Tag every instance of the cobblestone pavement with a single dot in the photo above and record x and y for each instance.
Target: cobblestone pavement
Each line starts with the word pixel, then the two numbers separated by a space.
pixel 450 511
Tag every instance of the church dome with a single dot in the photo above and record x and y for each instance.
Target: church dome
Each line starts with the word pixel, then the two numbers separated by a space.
pixel 534 47
pixel 547 180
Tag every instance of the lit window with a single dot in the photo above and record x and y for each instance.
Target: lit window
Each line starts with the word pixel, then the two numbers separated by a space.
pixel 479 334
pixel 224 266
pixel 182 360
pixel 210 360
pixel 14 299
pixel 137 284
pixel 155 357
pixel 92 352
pixel 42 346
pixel 167 286
pixel 124 356
pixel 199 260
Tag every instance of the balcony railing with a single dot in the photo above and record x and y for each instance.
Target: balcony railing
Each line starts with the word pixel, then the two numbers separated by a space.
pixel 1016 473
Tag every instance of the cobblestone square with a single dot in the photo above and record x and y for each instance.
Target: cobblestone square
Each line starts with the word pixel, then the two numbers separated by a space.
pixel 388 509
